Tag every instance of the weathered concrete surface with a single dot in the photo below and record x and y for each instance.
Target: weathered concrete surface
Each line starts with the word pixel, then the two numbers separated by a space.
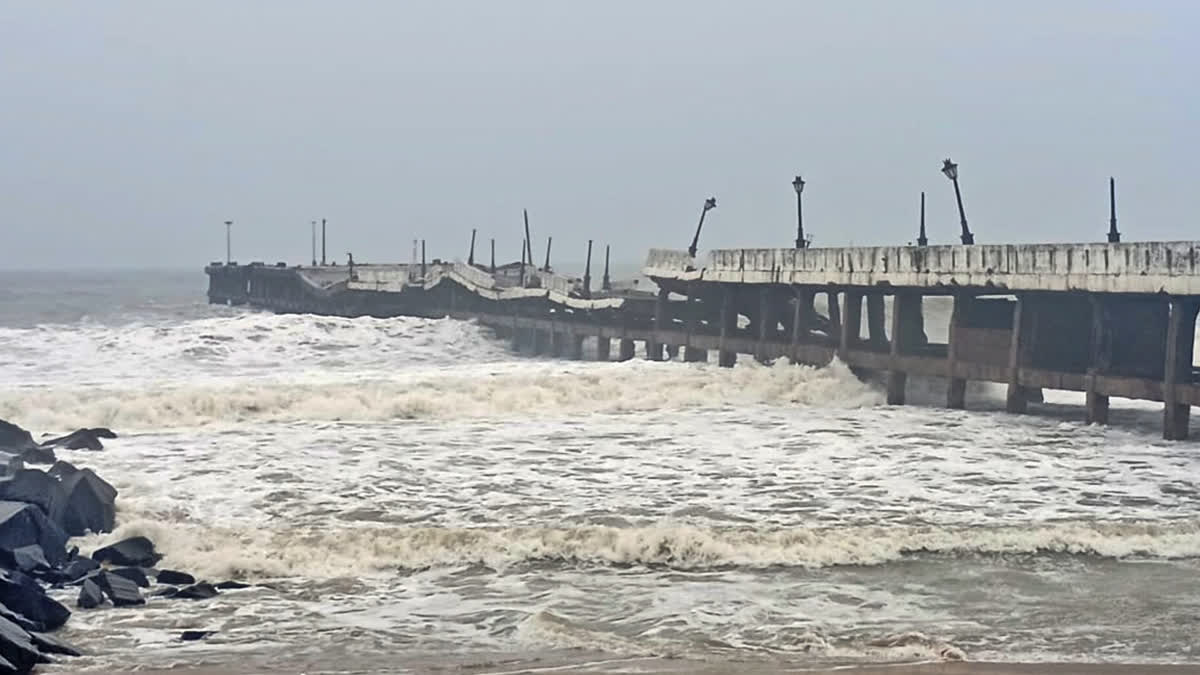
pixel 1136 267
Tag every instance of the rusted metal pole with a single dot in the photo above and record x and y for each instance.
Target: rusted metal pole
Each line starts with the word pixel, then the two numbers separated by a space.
pixel 471 255
pixel 922 240
pixel 528 245
pixel 709 204
pixel 322 241
pixel 549 241
pixel 606 283
pixel 1114 237
pixel 422 260
pixel 493 255
pixel 587 273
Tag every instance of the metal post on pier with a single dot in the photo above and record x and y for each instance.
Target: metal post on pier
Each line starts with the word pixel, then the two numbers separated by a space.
pixel 471 254
pixel 523 251
pixel 228 242
pixel 322 241
pixel 798 184
pixel 314 243
pixel 922 240
pixel 1114 237
pixel 549 241
pixel 493 255
pixel 606 282
pixel 422 260
pixel 951 170
pixel 587 273
pixel 528 245
pixel 709 204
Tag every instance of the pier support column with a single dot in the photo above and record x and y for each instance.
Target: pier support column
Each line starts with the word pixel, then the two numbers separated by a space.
pixel 540 341
pixel 1178 368
pixel 1018 354
pixel 956 390
pixel 767 323
pixel 851 323
pixel 693 354
pixel 654 346
pixel 801 320
pixel 835 314
pixel 672 352
pixel 626 350
pixel 876 320
pixel 603 348
pixel 906 318
pixel 1099 358
pixel 574 346
pixel 726 358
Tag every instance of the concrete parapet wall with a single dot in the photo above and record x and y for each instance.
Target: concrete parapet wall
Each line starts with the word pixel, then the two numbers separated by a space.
pixel 1138 267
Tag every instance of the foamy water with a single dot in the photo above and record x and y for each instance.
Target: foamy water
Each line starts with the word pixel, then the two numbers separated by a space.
pixel 408 486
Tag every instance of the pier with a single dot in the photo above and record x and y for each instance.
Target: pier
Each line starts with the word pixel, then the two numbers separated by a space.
pixel 1106 319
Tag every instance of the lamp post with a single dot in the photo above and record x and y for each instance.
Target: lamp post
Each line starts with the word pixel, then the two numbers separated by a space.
pixel 798 184
pixel 1114 237
pixel 922 240
pixel 951 170
pixel 314 243
pixel 228 242
pixel 709 204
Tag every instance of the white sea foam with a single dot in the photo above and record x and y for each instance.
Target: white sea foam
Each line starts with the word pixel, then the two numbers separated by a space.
pixel 515 388
pixel 260 552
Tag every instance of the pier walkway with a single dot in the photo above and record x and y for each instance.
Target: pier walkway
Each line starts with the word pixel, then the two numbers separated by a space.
pixel 1104 319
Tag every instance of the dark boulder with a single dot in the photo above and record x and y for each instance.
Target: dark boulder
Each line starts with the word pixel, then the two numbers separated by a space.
pixel 90 504
pixel 134 551
pixel 81 439
pixel 48 644
pixel 190 635
pixel 17 648
pixel 200 591
pixel 103 432
pixel 38 455
pixel 22 524
pixel 90 595
pixel 62 468
pixel 120 590
pixel 175 578
pixel 14 438
pixel 231 585
pixel 26 559
pixel 79 568
pixel 25 596
pixel 21 621
pixel 164 592
pixel 135 574
pixel 34 486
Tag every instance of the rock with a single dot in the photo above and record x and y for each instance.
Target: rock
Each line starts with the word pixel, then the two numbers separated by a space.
pixel 135 574
pixel 79 568
pixel 90 504
pixel 200 591
pixel 62 469
pixel 81 439
pixel 20 620
pixel 17 648
pixel 48 644
pixel 175 578
pixel 120 590
pixel 28 558
pixel 22 524
pixel 165 592
pixel 132 551
pixel 34 486
pixel 13 437
pixel 189 635
pixel 231 585
pixel 25 596
pixel 38 455
pixel 90 595
pixel 103 432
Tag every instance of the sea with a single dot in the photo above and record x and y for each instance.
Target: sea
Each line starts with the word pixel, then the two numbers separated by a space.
pixel 408 492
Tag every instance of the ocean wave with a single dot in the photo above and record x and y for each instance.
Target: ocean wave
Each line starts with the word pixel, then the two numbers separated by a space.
pixel 260 552
pixel 484 391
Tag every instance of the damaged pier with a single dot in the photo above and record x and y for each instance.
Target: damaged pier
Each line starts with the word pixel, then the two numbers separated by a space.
pixel 1114 319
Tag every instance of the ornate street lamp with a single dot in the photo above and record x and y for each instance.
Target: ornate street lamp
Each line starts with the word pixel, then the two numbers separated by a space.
pixel 798 184
pixel 951 170
pixel 709 204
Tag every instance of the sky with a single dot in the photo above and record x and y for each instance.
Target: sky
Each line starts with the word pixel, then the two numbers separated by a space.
pixel 129 131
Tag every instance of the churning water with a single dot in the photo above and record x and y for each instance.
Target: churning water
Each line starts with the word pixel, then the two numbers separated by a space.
pixel 407 486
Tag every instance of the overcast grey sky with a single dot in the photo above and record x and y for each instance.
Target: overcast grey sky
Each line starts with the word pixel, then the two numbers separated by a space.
pixel 130 130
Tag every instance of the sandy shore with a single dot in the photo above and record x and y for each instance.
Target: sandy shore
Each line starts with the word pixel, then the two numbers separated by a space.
pixel 647 666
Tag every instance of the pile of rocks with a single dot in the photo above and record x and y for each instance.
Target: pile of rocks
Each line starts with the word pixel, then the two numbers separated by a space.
pixel 39 511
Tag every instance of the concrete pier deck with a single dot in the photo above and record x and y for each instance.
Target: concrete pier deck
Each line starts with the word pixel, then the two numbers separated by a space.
pixel 1103 319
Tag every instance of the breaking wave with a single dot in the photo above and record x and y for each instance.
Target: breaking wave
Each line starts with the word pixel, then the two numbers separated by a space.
pixel 484 391
pixel 264 553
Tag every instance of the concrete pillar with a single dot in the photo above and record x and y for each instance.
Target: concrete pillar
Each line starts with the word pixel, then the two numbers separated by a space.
pixel 654 348
pixel 726 358
pixel 1181 328
pixel 801 318
pixel 767 322
pixel 1098 363
pixel 835 313
pixel 625 349
pixel 956 391
pixel 1018 354
pixel 851 322
pixel 672 352
pixel 603 348
pixel 574 345
pixel 540 341
pixel 691 321
pixel 876 320
pixel 906 317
